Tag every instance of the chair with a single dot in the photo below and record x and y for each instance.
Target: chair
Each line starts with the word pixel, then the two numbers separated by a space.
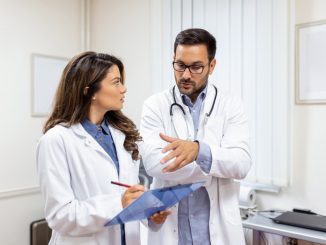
pixel 40 232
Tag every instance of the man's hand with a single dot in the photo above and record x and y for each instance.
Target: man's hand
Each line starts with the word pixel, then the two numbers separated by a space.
pixel 183 151
pixel 131 194
pixel 159 218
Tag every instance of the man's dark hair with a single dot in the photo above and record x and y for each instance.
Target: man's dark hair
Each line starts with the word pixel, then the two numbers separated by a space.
pixel 196 36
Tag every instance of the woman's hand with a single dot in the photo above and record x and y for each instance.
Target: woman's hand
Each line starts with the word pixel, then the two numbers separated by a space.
pixel 131 194
pixel 159 218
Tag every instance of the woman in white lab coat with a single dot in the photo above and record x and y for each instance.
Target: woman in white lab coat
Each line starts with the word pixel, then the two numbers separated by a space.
pixel 76 163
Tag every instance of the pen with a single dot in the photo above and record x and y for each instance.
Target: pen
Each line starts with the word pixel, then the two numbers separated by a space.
pixel 120 184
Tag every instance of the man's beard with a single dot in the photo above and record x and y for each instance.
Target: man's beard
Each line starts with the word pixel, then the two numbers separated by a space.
pixel 186 82
pixel 194 89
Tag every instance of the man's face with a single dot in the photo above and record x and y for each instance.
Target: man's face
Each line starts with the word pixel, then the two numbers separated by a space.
pixel 192 84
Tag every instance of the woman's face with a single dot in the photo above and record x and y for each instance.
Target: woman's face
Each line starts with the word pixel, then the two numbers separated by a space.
pixel 111 95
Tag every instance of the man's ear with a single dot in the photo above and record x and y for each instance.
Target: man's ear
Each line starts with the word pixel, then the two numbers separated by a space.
pixel 212 65
pixel 85 90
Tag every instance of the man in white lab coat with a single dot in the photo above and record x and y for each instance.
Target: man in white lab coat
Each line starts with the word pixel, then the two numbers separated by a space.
pixel 194 132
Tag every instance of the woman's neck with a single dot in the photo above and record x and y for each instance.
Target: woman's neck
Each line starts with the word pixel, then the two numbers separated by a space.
pixel 95 116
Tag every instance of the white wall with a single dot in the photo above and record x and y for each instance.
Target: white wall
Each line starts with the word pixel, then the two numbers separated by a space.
pixel 122 28
pixel 29 26
pixel 308 169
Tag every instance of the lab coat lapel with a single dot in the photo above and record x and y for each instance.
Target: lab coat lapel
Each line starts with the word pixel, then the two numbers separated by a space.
pixel 208 102
pixel 90 141
pixel 206 107
pixel 123 155
pixel 179 120
pixel 180 124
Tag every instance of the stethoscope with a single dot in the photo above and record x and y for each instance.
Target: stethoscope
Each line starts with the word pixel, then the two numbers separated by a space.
pixel 207 115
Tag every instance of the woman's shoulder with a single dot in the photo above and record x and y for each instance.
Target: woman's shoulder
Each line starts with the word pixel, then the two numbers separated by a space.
pixel 56 133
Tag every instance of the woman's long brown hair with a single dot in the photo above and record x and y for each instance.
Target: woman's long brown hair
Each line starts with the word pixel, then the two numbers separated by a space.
pixel 72 104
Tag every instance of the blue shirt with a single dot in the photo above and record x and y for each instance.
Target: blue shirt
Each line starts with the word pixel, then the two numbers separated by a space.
pixel 103 136
pixel 193 211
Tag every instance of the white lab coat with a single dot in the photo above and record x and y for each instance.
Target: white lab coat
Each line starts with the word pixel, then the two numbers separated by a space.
pixel 226 132
pixel 75 174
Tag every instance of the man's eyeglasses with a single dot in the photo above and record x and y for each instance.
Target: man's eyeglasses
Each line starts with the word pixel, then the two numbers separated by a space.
pixel 194 69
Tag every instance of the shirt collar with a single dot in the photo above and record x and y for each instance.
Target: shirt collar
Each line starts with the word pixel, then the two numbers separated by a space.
pixel 187 101
pixel 105 126
pixel 93 129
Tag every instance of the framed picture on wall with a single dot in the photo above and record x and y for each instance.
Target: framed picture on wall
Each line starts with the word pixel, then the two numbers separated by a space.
pixel 46 73
pixel 311 63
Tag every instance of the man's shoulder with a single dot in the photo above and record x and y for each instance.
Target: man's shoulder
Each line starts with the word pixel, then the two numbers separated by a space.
pixel 230 103
pixel 228 97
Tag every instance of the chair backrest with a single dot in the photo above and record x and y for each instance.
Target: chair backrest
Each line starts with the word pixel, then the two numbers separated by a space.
pixel 40 232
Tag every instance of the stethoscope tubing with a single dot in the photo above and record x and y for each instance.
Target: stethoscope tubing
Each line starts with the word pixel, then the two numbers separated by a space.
pixel 181 108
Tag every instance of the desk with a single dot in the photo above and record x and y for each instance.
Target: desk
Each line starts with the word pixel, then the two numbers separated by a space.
pixel 259 223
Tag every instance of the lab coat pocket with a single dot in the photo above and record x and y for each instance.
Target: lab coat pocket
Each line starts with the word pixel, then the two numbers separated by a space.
pixel 229 201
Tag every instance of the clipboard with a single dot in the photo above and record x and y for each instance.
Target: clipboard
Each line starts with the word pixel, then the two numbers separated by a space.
pixel 154 201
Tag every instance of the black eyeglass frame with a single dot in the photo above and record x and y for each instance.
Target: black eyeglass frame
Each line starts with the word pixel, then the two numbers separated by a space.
pixel 189 67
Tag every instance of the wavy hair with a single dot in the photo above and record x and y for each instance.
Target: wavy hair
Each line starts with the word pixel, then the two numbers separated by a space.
pixel 72 105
